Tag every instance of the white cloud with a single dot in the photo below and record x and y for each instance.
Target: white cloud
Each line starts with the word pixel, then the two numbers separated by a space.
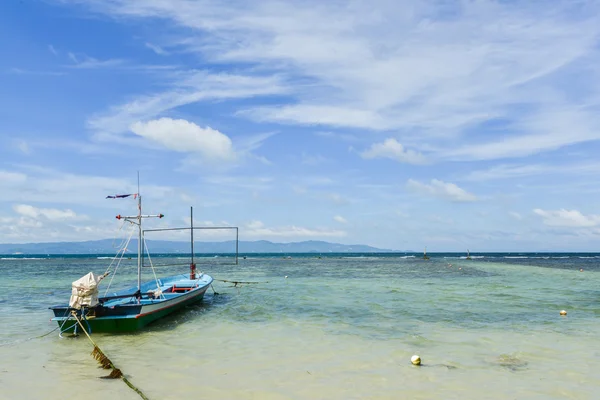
pixel 507 171
pixel 23 146
pixel 320 114
pixel 255 225
pixel 256 229
pixel 390 148
pixel 184 136
pixel 86 62
pixel 157 49
pixel 25 229
pixel 340 219
pixel 11 177
pixel 336 198
pixel 515 215
pixel 545 130
pixel 51 186
pixel 441 189
pixel 567 218
pixel 245 182
pixel 313 160
pixel 350 68
pixel 52 50
pixel 188 87
pixel 20 71
pixel 48 213
pixel 341 136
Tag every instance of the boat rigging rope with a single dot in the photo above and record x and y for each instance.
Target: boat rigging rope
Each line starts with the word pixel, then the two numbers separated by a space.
pixel 115 238
pixel 122 251
pixel 108 364
pixel 152 267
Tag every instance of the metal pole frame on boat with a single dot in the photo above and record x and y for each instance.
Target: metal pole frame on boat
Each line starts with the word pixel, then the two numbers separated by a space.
pixel 192 265
pixel 192 228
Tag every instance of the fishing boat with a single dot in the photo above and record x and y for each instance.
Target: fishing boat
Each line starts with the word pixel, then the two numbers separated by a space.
pixel 135 307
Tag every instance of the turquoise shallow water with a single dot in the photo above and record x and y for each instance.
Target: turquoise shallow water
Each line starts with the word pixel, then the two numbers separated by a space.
pixel 338 327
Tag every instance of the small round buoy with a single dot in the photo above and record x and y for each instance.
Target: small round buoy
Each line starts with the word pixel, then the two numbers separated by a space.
pixel 563 312
pixel 580 269
pixel 415 360
pixel 460 268
pixel 286 277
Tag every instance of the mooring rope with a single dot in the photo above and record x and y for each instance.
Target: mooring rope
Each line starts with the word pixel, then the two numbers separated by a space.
pixel 36 337
pixel 28 339
pixel 235 283
pixel 108 364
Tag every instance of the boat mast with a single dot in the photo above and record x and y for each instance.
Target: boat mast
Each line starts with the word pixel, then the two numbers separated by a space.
pixel 137 220
pixel 140 249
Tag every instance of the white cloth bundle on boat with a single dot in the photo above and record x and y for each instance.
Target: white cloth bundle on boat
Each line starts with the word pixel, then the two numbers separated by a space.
pixel 156 293
pixel 84 291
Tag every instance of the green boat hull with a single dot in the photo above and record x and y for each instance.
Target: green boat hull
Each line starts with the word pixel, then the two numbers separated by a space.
pixel 123 324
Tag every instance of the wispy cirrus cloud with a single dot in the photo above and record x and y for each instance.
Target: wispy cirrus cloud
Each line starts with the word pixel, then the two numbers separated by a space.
pixel 157 49
pixel 21 71
pixel 515 215
pixel 434 84
pixel 258 229
pixel 340 219
pixel 52 50
pixel 567 218
pixel 441 189
pixel 84 61
pixel 188 87
pixel 41 184
pixel 512 171
pixel 10 177
pixel 47 213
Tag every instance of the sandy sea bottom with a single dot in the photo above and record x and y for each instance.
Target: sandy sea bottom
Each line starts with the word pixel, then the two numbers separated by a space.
pixel 335 329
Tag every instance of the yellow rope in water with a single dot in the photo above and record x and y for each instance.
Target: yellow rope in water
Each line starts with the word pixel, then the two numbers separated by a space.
pixel 107 364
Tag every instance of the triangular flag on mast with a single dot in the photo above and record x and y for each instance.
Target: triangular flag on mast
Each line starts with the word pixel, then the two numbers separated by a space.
pixel 122 196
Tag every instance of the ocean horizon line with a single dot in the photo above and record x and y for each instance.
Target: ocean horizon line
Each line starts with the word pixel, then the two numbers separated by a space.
pixel 390 253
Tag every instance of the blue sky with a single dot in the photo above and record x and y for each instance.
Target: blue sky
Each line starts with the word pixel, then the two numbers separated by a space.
pixel 399 124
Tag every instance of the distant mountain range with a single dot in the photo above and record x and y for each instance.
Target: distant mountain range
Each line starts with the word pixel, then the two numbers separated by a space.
pixel 106 246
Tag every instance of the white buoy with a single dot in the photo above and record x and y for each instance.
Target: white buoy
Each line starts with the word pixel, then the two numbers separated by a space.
pixel 416 360
pixel 563 312
pixel 286 277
